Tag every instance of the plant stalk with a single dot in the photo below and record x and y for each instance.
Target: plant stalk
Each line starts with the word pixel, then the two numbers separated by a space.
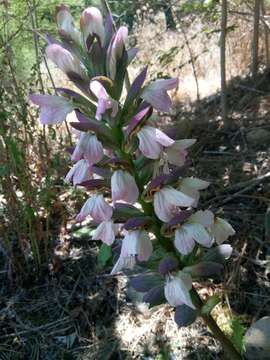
pixel 230 351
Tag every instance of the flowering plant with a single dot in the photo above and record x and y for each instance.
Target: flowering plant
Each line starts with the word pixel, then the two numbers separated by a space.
pixel 140 196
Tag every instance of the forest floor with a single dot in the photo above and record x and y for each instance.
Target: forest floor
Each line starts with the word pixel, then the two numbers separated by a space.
pixel 78 312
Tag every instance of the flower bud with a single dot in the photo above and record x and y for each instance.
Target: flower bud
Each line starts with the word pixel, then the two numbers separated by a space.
pixel 65 23
pixel 115 50
pixel 91 24
pixel 167 265
pixel 65 60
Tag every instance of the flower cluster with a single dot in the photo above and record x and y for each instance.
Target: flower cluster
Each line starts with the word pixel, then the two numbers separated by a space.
pixel 135 174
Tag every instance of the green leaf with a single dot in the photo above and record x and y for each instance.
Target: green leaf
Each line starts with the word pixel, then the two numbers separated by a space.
pixel 238 331
pixel 104 255
pixel 210 304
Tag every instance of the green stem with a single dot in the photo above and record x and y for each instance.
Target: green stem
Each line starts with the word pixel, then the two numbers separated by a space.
pixel 230 351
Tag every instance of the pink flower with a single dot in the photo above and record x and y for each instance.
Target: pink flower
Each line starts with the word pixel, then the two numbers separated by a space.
pixel 89 148
pixel 176 153
pixel 177 290
pixel 91 23
pixel 115 50
pixel 106 232
pixel 156 93
pixel 54 109
pixel 79 173
pixel 97 208
pixel 105 102
pixel 65 23
pixel 124 187
pixel 194 230
pixel 166 201
pixel 136 245
pixel 152 141
pixel 65 60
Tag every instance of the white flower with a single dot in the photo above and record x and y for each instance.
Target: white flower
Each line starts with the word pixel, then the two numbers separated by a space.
pixel 176 153
pixel 97 207
pixel 124 187
pixel 221 230
pixel 194 230
pixel 152 141
pixel 89 148
pixel 106 232
pixel 79 173
pixel 136 245
pixel 166 201
pixel 191 186
pixel 177 290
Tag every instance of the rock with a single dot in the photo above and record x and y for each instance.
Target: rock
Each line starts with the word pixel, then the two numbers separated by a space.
pixel 258 137
pixel 257 340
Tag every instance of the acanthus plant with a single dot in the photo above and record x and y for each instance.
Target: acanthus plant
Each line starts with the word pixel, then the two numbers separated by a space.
pixel 139 193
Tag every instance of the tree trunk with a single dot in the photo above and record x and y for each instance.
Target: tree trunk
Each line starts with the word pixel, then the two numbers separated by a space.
pixel 223 61
pixel 266 38
pixel 255 40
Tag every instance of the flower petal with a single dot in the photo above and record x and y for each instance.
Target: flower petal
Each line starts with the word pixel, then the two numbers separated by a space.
pixel 65 23
pixel 105 102
pixel 54 109
pixel 176 197
pixel 195 183
pixel 65 60
pixel 97 208
pixel 88 147
pixel 148 144
pixel 156 93
pixel 177 152
pixel 137 243
pixel 79 173
pixel 176 293
pixel 105 232
pixel 163 209
pixel 221 230
pixel 124 187
pixel 199 234
pixel 91 23
pixel 115 50
pixel 122 263
pixel 183 242
pixel 205 218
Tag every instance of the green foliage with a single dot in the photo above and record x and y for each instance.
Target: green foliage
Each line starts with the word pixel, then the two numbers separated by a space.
pixel 211 302
pixel 16 27
pixel 104 255
pixel 238 332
